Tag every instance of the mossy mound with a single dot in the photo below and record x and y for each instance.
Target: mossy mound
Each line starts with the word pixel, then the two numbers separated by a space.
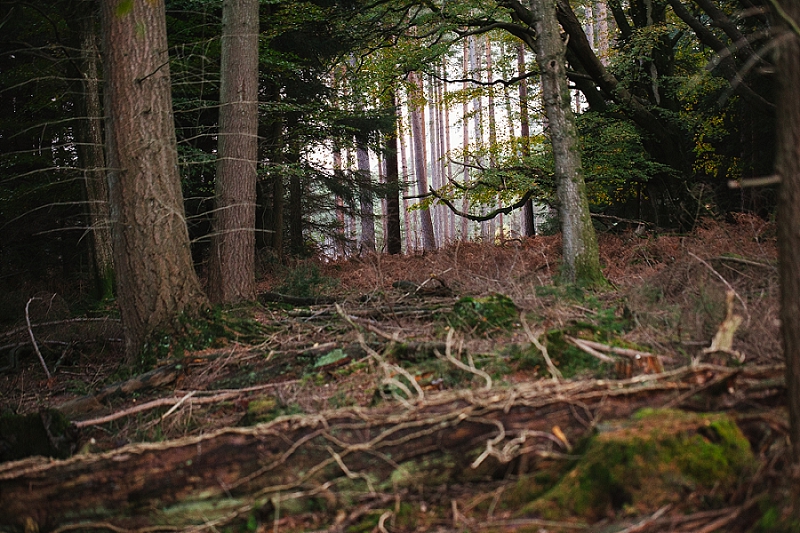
pixel 658 457
pixel 489 314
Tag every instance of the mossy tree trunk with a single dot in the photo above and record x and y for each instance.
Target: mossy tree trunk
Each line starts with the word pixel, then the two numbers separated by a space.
pixel 156 281
pixel 581 260
pixel 232 262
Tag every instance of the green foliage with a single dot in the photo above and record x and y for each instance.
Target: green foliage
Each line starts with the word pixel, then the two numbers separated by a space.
pixel 305 280
pixel 615 163
pixel 331 357
pixel 485 315
pixel 213 328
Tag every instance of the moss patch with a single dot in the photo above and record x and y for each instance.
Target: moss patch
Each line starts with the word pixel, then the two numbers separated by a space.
pixel 492 313
pixel 657 457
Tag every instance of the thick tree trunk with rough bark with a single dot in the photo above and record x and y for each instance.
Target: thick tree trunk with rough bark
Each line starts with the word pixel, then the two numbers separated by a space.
pixel 156 280
pixel 581 260
pixel 91 157
pixel 232 261
pixel 787 151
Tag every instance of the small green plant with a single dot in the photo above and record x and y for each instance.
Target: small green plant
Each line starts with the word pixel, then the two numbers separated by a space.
pixel 492 313
pixel 306 280
pixel 212 328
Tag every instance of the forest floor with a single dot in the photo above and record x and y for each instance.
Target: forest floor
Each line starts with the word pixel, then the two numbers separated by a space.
pixel 380 331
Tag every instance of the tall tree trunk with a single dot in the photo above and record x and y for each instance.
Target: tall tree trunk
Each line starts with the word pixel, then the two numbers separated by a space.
pixel 417 113
pixel 435 158
pixel 92 159
pixel 788 168
pixel 601 30
pixel 390 151
pixel 581 261
pixel 278 214
pixel 528 221
pixel 444 138
pixel 367 241
pixel 296 239
pixel 495 224
pixel 408 216
pixel 465 142
pixel 232 262
pixel 340 238
pixel 156 280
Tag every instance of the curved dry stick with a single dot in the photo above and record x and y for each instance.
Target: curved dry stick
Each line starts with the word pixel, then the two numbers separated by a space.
pixel 556 373
pixel 33 339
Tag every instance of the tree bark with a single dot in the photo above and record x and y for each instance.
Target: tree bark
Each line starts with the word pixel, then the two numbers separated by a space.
pixel 581 260
pixel 417 115
pixel 787 166
pixel 393 239
pixel 365 199
pixel 156 280
pixel 92 159
pixel 232 261
pixel 528 221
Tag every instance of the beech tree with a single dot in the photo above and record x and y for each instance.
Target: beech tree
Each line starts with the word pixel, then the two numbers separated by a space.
pixel 156 281
pixel 581 259
pixel 232 262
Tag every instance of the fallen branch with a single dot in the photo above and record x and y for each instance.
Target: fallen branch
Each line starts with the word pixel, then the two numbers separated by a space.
pixel 581 345
pixel 33 339
pixel 555 372
pixel 216 477
pixel 175 402
pixel 12 332
pixel 275 297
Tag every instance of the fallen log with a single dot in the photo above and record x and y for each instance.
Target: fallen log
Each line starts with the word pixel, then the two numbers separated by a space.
pixel 206 481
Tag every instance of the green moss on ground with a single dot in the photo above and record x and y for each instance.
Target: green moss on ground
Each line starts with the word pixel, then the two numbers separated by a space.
pixel 658 457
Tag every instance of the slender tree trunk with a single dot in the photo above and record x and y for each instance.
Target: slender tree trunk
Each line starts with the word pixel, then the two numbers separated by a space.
pixel 92 159
pixel 581 261
pixel 156 280
pixel 232 262
pixel 496 224
pixel 393 239
pixel 278 214
pixel 367 241
pixel 465 142
pixel 447 166
pixel 296 239
pixel 788 168
pixel 601 30
pixel 408 216
pixel 341 237
pixel 435 157
pixel 528 220
pixel 417 113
